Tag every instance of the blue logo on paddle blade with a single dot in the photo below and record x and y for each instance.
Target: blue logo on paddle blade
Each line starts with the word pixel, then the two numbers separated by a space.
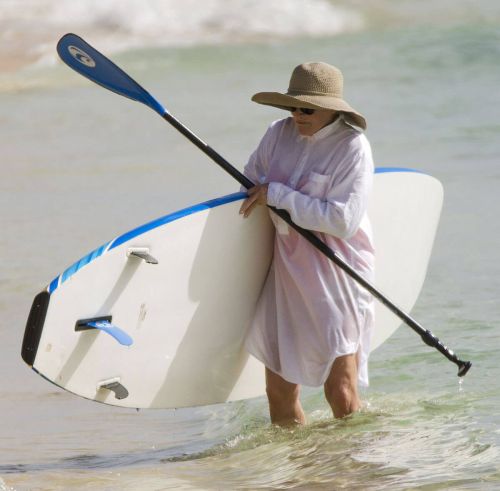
pixel 80 55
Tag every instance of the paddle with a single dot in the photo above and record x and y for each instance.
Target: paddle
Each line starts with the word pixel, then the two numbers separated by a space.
pixel 87 61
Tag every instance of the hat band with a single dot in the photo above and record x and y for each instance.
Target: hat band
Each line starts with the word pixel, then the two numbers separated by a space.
pixel 312 92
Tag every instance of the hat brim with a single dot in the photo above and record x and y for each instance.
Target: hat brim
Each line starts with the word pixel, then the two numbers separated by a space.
pixel 310 101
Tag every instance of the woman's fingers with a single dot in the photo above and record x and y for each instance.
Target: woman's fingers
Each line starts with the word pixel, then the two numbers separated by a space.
pixel 249 204
pixel 256 196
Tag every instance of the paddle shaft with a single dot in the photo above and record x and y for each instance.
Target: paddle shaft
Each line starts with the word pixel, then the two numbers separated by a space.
pixel 425 334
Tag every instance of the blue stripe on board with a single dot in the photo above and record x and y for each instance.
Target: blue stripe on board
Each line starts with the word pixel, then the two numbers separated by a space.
pixel 78 265
pixel 166 219
pixel 382 170
pixel 53 284
pixel 141 230
pixel 175 216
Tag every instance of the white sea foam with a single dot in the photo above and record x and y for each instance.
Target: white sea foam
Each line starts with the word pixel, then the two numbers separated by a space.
pixel 31 27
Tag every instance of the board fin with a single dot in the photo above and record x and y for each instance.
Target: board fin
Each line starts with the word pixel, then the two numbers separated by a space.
pixel 115 386
pixel 142 253
pixel 104 324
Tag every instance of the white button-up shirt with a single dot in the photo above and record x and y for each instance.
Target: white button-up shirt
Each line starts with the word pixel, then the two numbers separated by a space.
pixel 310 312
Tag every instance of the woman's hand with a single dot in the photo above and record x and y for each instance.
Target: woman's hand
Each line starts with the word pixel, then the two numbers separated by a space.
pixel 256 196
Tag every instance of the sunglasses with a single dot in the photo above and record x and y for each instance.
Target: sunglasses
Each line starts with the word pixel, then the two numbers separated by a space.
pixel 303 110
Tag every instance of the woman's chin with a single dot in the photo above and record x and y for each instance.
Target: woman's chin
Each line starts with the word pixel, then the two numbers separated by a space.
pixel 304 130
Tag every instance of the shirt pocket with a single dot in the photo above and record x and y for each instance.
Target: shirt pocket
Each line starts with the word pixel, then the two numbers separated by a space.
pixel 316 185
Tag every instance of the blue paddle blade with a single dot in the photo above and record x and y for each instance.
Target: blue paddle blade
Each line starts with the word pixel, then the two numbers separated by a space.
pixel 87 61
pixel 114 331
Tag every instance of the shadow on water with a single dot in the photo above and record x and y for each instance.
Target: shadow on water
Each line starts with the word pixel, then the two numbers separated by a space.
pixel 256 436
pixel 409 441
pixel 418 440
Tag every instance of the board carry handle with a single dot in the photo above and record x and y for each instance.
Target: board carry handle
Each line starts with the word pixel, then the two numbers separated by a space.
pixel 87 61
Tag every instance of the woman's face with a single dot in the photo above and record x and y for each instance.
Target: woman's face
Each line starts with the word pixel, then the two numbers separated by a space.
pixel 308 124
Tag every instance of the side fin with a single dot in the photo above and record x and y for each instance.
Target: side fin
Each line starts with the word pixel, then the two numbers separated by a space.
pixel 104 324
pixel 115 386
pixel 142 253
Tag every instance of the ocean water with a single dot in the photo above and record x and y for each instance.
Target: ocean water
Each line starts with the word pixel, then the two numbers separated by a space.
pixel 81 165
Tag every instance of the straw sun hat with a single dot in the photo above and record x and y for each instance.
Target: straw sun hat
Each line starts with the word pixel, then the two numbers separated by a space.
pixel 314 85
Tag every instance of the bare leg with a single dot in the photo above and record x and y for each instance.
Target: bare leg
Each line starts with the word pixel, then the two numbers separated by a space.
pixel 284 404
pixel 341 386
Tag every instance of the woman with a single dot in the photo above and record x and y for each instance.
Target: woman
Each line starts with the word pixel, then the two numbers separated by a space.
pixel 313 323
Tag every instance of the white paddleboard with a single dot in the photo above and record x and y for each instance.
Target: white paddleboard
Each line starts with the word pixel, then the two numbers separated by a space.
pixel 156 318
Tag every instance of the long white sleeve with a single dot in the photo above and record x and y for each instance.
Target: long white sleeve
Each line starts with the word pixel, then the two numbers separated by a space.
pixel 323 181
pixel 340 210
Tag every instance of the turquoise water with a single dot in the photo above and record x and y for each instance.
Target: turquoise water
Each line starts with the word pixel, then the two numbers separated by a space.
pixel 81 165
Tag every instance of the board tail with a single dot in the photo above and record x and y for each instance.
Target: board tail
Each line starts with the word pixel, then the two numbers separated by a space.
pixel 34 327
